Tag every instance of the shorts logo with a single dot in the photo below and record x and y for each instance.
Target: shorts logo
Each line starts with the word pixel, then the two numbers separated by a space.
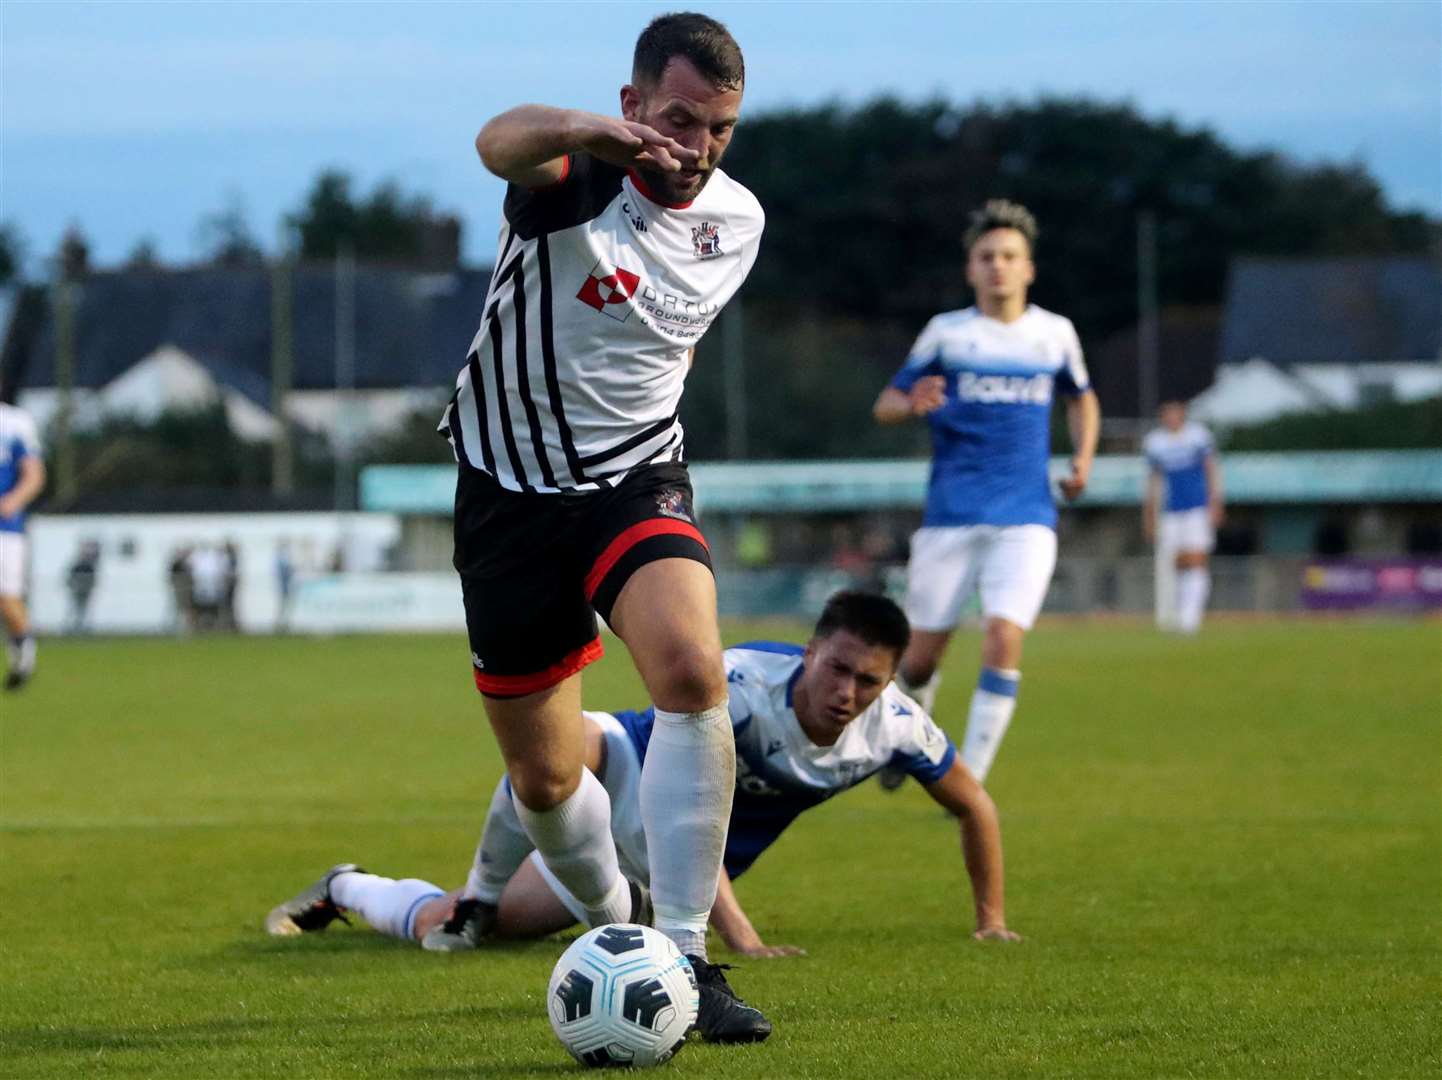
pixel 608 288
pixel 478 662
pixel 672 503
pixel 706 239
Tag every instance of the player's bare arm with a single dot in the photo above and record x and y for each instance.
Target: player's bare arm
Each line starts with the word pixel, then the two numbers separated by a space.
pixel 1150 502
pixel 960 793
pixel 1084 421
pixel 895 406
pixel 528 145
pixel 1216 504
pixel 735 928
pixel 31 482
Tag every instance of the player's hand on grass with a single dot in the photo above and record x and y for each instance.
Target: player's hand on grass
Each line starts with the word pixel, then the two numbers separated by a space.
pixel 928 394
pixel 1073 485
pixel 995 933
pixel 626 143
pixel 760 951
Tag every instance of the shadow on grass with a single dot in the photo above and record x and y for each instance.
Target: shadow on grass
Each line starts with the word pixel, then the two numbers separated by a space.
pixel 563 1065
pixel 221 1032
pixel 263 949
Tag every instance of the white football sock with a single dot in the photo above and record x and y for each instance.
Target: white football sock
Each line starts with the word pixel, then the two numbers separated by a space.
pixel 687 784
pixel 504 846
pixel 574 839
pixel 388 905
pixel 924 694
pixel 992 704
pixel 1193 586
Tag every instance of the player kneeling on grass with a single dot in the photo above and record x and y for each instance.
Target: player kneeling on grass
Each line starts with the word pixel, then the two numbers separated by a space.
pixel 810 722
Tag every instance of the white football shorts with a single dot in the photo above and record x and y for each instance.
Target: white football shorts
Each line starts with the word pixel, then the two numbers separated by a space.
pixel 14 550
pixel 1187 530
pixel 1010 566
pixel 622 781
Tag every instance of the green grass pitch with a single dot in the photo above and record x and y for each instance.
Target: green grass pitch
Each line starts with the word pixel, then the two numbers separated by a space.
pixel 1225 854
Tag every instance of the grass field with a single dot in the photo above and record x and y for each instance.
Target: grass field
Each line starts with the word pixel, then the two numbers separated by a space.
pixel 1225 854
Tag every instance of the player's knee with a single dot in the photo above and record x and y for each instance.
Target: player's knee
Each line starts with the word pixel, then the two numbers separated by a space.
pixel 689 678
pixel 541 786
pixel 1001 645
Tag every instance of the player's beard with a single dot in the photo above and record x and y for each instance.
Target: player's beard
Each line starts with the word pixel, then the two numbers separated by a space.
pixel 665 187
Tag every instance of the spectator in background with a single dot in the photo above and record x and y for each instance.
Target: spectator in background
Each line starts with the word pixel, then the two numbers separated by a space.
pixel 1182 459
pixel 284 582
pixel 182 590
pixel 22 478
pixel 80 580
pixel 231 553
pixel 209 573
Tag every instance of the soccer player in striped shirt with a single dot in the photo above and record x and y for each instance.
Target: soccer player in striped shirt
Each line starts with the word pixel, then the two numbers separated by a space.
pixel 621 242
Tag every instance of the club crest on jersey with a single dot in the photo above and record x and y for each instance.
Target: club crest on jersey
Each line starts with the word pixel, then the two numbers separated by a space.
pixel 608 288
pixel 672 504
pixel 706 239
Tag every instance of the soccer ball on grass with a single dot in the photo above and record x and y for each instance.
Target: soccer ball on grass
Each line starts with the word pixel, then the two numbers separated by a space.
pixel 622 995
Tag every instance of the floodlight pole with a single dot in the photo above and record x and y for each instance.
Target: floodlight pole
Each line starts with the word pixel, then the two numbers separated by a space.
pixel 1148 333
pixel 282 365
pixel 64 306
pixel 344 375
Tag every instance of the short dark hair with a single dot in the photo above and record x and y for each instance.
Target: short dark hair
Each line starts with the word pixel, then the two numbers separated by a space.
pixel 700 39
pixel 873 618
pixel 1000 214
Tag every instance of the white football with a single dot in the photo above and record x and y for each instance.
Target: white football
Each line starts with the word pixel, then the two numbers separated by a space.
pixel 622 995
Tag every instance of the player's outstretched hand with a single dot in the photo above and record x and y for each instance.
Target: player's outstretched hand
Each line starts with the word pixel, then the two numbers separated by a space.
pixel 928 394
pixel 771 952
pixel 626 143
pixel 996 933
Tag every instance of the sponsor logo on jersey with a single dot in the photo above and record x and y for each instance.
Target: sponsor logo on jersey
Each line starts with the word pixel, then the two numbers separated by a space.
pixel 1004 389
pixel 706 239
pixel 634 217
pixel 672 503
pixel 608 288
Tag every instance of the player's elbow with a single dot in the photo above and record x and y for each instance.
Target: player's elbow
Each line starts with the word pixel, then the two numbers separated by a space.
pixel 492 147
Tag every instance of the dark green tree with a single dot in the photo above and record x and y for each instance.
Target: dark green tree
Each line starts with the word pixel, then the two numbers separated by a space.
pixel 12 253
pixel 388 225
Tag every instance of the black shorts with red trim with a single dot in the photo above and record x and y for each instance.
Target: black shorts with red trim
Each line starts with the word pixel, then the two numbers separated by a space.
pixel 537 569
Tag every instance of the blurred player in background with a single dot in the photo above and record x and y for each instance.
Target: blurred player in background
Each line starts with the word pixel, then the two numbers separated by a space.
pixel 1182 459
pixel 621 241
pixel 22 478
pixel 983 379
pixel 809 723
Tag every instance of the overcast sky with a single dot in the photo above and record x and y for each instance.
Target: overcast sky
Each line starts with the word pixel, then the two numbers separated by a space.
pixel 138 119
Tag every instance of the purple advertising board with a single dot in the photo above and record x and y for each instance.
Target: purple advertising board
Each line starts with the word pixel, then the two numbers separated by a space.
pixel 1372 585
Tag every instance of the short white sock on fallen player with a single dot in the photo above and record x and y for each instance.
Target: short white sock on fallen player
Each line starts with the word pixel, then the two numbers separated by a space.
pixel 504 846
pixel 389 905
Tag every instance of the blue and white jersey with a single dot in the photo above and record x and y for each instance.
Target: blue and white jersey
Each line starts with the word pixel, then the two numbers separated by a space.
pixel 1181 458
pixel 991 440
pixel 18 440
pixel 779 771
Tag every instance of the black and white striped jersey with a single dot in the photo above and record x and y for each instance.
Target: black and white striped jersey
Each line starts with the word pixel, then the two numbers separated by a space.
pixel 598 295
